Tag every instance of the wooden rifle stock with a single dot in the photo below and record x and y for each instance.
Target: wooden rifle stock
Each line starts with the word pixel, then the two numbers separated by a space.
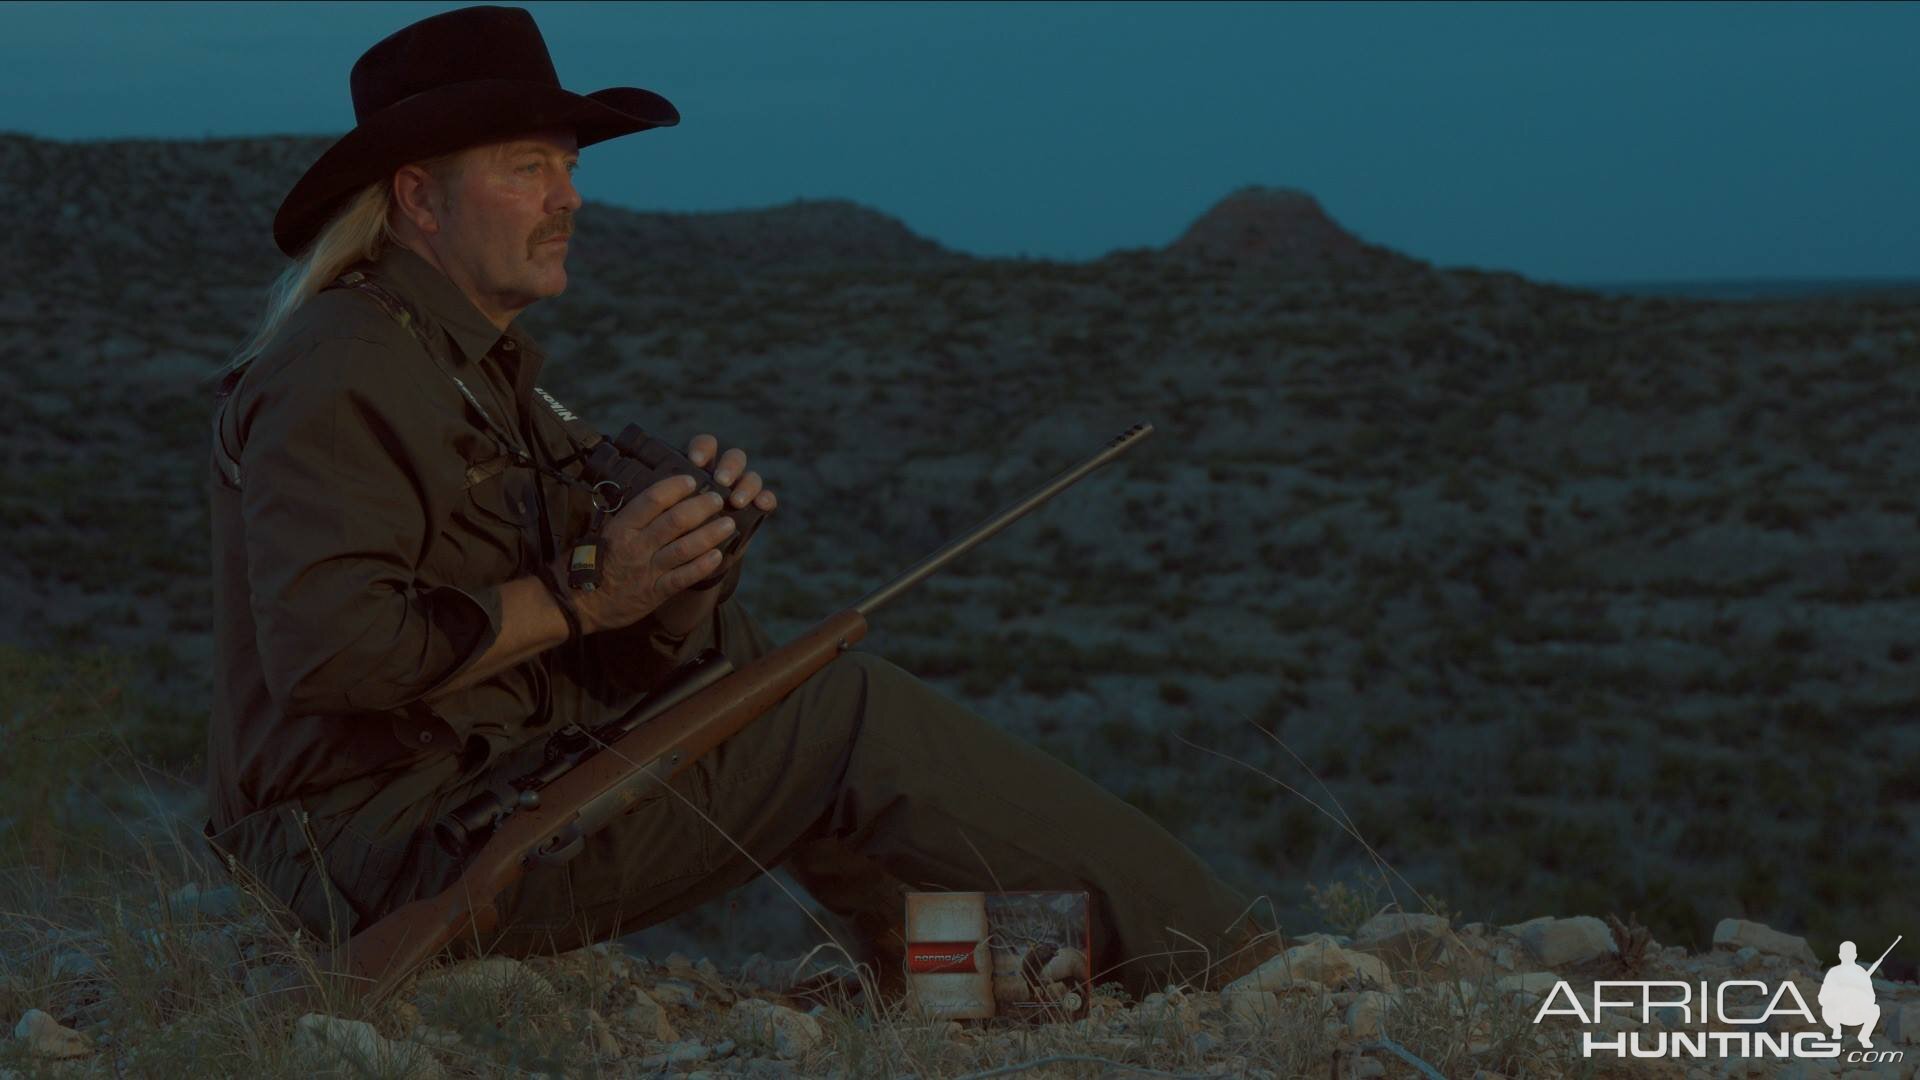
pixel 598 789
pixel 607 783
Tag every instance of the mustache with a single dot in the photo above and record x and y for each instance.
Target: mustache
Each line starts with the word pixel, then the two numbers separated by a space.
pixel 564 228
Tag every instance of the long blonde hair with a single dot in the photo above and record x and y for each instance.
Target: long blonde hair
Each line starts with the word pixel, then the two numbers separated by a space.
pixel 362 230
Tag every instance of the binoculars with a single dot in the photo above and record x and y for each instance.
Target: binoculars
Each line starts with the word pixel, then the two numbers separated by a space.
pixel 635 460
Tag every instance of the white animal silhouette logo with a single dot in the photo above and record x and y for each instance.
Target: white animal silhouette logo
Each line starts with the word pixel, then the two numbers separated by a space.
pixel 1846 994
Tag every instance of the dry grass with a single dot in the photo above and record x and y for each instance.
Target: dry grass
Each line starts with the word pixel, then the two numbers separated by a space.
pixel 99 929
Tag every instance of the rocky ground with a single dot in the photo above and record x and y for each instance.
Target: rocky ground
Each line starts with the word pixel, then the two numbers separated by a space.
pixel 1555 600
pixel 1403 995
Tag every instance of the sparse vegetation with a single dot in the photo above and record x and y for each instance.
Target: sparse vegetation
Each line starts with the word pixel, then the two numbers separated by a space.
pixel 1393 500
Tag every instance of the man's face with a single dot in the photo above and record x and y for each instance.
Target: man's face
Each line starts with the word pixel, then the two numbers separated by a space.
pixel 503 236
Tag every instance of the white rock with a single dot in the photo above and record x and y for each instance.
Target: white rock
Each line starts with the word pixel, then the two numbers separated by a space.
pixel 1366 1017
pixel 790 1033
pixel 1530 982
pixel 1161 1008
pixel 45 1038
pixel 604 1044
pixel 1257 1006
pixel 1067 965
pixel 1560 942
pixel 1320 962
pixel 1738 933
pixel 1390 923
pixel 649 1018
pixel 1538 982
pixel 625 967
pixel 674 992
pixel 362 1049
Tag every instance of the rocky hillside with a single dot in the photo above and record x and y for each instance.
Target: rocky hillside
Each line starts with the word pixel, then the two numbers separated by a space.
pixel 1566 602
pixel 114 215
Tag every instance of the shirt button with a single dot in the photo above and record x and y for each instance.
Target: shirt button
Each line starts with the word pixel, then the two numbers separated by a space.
pixel 507 346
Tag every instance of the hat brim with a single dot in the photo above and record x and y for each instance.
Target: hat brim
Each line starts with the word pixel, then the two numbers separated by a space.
pixel 450 118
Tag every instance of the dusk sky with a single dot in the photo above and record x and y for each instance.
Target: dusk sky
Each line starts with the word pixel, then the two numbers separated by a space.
pixel 1576 143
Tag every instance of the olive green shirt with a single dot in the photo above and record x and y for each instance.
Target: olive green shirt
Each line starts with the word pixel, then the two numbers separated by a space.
pixel 357 566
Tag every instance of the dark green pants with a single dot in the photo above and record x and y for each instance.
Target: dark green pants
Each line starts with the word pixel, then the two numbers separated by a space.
pixel 864 782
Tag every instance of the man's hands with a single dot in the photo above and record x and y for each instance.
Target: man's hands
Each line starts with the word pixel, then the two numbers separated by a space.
pixel 665 539
pixel 688 609
pixel 732 464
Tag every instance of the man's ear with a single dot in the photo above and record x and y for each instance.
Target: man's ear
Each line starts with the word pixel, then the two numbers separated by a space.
pixel 419 198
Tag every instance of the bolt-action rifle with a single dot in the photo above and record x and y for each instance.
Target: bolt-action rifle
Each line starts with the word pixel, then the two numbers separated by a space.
pixel 581 781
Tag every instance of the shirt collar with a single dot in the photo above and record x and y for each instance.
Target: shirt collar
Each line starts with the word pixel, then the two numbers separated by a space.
pixel 442 302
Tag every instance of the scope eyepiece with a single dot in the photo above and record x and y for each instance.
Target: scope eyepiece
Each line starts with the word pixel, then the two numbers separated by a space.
pixel 460 829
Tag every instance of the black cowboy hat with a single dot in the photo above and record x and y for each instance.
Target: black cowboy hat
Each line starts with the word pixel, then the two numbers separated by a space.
pixel 445 83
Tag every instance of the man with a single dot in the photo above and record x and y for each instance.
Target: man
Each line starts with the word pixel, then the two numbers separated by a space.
pixel 1846 996
pixel 393 502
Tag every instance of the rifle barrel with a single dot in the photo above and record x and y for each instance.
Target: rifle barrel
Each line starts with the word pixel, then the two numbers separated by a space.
pixel 965 542
pixel 600 784
pixel 1883 956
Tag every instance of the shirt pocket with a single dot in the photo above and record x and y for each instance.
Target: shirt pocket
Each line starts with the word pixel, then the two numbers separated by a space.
pixel 492 493
pixel 490 520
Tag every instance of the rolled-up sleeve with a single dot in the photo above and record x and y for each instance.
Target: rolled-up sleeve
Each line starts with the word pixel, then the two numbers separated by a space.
pixel 340 455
